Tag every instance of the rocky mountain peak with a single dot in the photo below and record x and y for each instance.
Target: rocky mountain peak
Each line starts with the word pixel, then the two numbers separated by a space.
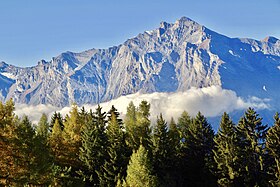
pixel 271 39
pixel 173 57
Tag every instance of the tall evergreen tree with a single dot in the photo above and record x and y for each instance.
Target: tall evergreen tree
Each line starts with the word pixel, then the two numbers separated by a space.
pixel 273 149
pixel 94 147
pixel 162 153
pixel 140 170
pixel 31 154
pixel 199 144
pixel 137 124
pixel 174 156
pixel 56 143
pixel 43 126
pixel 143 124
pixel 7 129
pixel 56 116
pixel 184 122
pixel 131 128
pixel 251 138
pixel 116 163
pixel 226 153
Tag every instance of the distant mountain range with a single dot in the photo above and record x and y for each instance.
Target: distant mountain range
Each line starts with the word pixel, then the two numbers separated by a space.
pixel 172 58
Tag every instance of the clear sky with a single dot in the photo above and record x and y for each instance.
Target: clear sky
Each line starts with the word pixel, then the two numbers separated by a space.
pixel 31 30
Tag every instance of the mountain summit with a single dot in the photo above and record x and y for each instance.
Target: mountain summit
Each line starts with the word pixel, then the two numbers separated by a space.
pixel 174 57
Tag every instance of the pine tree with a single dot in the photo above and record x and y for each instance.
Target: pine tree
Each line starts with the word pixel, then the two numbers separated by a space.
pixel 162 152
pixel 56 116
pixel 43 126
pixel 140 171
pixel 174 155
pixel 251 139
pixel 184 122
pixel 7 129
pixel 199 144
pixel 226 153
pixel 143 124
pixel 137 124
pixel 182 129
pixel 72 126
pixel 115 166
pixel 32 156
pixel 56 143
pixel 131 128
pixel 273 149
pixel 94 147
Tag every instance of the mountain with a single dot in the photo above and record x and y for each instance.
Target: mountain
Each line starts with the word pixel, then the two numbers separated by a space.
pixel 174 57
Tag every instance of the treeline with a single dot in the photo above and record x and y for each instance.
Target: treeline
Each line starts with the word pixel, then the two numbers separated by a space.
pixel 95 148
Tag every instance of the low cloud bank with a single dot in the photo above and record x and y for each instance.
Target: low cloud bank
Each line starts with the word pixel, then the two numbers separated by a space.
pixel 211 101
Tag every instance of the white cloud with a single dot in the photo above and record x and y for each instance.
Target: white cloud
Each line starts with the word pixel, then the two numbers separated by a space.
pixel 34 112
pixel 211 101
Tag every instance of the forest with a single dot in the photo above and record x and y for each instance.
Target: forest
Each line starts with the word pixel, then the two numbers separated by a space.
pixel 98 148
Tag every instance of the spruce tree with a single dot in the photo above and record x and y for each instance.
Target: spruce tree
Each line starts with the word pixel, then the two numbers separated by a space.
pixel 56 144
pixel 174 155
pixel 273 149
pixel 198 146
pixel 116 163
pixel 43 126
pixel 32 156
pixel 7 149
pixel 226 153
pixel 140 170
pixel 137 124
pixel 162 152
pixel 143 124
pixel 56 116
pixel 251 139
pixel 94 147
pixel 131 128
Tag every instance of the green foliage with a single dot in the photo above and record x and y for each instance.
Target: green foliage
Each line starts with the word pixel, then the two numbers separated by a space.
pixel 93 150
pixel 140 171
pixel 114 168
pixel 162 153
pixel 198 146
pixel 226 153
pixel 43 127
pixel 137 124
pixel 56 116
pixel 273 149
pixel 251 140
pixel 32 156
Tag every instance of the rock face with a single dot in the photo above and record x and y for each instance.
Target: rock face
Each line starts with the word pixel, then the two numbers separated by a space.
pixel 172 58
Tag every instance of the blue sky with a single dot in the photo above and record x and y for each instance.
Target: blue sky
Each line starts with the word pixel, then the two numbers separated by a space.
pixel 32 30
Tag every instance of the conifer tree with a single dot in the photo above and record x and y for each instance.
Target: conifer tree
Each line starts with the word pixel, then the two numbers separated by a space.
pixel 7 129
pixel 184 122
pixel 116 163
pixel 143 124
pixel 251 139
pixel 226 153
pixel 94 147
pixel 174 155
pixel 140 171
pixel 31 154
pixel 43 126
pixel 162 152
pixel 273 149
pixel 131 128
pixel 199 144
pixel 56 143
pixel 137 124
pixel 58 116
pixel 182 129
